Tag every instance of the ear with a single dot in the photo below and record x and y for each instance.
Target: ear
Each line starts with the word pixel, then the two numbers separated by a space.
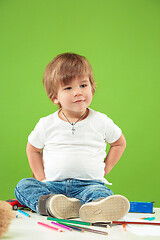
pixel 55 100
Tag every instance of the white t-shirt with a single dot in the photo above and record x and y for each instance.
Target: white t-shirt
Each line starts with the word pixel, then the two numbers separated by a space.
pixel 78 156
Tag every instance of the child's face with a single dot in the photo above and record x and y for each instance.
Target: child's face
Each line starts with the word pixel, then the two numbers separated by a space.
pixel 76 96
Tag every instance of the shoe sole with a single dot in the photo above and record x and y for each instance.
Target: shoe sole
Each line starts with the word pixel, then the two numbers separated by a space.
pixel 109 209
pixel 63 207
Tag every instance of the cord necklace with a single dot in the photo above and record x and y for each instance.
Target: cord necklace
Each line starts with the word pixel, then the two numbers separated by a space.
pixel 73 124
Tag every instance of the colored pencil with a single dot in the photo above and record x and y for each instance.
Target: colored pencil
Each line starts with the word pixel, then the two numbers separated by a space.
pixel 143 223
pixel 74 227
pixel 148 218
pixel 63 226
pixel 48 226
pixel 69 221
pixel 104 225
pixel 86 229
pixel 24 213
pixel 124 226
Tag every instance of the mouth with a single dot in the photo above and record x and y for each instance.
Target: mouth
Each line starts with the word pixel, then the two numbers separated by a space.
pixel 78 101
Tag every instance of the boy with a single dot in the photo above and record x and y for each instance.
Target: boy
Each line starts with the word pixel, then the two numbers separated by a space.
pixel 71 181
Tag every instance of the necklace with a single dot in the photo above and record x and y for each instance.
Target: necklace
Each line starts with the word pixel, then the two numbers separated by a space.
pixel 73 124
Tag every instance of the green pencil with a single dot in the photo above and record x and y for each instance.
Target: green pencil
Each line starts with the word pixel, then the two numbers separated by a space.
pixel 68 221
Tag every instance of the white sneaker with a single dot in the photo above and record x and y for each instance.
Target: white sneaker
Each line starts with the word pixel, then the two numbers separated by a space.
pixel 107 209
pixel 59 206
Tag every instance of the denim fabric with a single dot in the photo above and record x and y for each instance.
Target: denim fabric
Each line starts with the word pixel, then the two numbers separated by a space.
pixel 29 190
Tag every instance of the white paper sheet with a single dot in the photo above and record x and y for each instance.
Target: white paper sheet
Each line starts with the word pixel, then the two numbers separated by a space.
pixel 141 230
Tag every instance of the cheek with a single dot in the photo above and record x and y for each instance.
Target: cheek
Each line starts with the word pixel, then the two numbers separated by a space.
pixel 90 95
pixel 65 98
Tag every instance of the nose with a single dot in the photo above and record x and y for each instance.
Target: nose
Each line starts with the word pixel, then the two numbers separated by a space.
pixel 77 92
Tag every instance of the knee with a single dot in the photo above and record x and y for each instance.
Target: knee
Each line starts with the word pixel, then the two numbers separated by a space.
pixel 25 183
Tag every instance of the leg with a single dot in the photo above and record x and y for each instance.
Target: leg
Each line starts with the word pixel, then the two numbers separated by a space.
pixel 29 190
pixel 89 190
pixel 47 198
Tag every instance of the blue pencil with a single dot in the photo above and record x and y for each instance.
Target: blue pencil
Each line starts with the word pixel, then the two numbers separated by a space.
pixel 24 213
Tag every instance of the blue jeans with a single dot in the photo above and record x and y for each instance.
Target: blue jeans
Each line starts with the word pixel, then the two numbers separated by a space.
pixel 29 190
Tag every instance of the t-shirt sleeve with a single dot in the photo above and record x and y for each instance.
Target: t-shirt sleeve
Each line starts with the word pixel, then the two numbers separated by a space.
pixel 112 132
pixel 36 138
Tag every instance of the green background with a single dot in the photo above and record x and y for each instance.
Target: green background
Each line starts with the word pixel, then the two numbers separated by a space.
pixel 121 39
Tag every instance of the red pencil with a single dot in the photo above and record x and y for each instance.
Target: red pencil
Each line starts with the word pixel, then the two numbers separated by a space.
pixel 145 223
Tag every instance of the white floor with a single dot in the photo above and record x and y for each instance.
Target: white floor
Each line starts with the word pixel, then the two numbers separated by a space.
pixel 27 228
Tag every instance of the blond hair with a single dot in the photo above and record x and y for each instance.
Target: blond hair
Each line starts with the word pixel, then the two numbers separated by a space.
pixel 63 69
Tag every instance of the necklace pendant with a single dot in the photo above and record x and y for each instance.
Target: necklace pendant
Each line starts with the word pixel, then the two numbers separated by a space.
pixel 73 129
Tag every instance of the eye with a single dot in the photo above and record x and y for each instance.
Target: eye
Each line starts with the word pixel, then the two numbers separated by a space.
pixel 83 85
pixel 67 88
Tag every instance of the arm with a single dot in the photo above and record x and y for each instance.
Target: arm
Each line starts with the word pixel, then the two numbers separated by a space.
pixel 35 161
pixel 115 152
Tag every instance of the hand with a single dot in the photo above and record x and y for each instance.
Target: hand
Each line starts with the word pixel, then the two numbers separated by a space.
pixel 105 171
pixel 44 179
